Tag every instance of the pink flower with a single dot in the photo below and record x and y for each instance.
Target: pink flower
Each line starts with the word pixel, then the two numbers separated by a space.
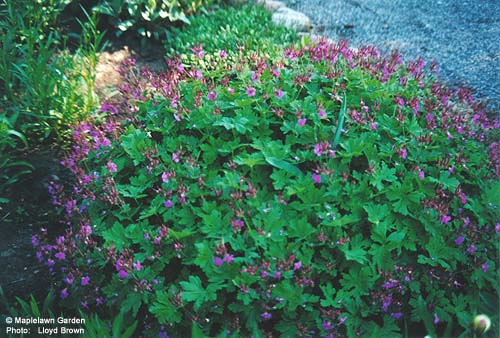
pixel 164 177
pixel 138 266
pixel 251 91
pixel 421 174
pixel 222 54
pixel 278 93
pixel 373 126
pixel 316 178
pixel 211 96
pixel 175 157
pixel 321 113
pixel 198 51
pixel 218 261
pixel 301 122
pixel 111 167
pixel 228 259
pixel 297 266
pixel 403 153
pixel 230 91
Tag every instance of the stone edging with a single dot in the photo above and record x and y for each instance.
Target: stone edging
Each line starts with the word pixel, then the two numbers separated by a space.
pixel 282 15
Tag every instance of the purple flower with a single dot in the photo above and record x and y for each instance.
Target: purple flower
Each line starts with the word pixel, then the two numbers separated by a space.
pixel 168 204
pixel 211 96
pixel 397 315
pixel 138 266
pixel 60 255
pixel 163 334
pixel 421 174
pixel 497 228
pixel 387 302
pixel 459 240
pixel 471 249
pixel 230 91
pixel 316 178
pixel 301 122
pixel 266 315
pixel 122 274
pixel 373 126
pixel 297 266
pixel 69 279
pixel 222 53
pixel 263 274
pixel 436 319
pixel 278 93
pixel 64 293
pixel 277 274
pixel 251 91
pixel 445 219
pixel 228 259
pixel 34 240
pixel 400 101
pixel 485 267
pixel 218 261
pixel 110 108
pixel 327 325
pixel 321 113
pixel 85 280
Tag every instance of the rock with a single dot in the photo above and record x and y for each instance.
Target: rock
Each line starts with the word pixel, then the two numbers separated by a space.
pixel 271 5
pixel 292 19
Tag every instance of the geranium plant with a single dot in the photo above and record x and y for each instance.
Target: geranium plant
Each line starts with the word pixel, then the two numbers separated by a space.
pixel 330 192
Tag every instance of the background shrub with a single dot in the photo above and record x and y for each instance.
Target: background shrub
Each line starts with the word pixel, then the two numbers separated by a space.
pixel 328 192
pixel 246 29
pixel 148 18
pixel 44 89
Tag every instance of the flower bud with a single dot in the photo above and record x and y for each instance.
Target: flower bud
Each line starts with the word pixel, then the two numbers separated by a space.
pixel 481 323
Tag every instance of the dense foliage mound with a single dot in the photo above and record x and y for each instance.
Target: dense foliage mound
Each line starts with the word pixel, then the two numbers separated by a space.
pixel 329 192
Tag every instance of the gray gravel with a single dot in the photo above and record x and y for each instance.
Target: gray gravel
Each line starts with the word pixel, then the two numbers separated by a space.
pixel 462 36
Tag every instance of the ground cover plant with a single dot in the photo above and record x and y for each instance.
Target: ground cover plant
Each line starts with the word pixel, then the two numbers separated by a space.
pixel 327 192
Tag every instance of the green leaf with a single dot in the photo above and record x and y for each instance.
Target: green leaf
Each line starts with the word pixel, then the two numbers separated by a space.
pixel 446 181
pixel 376 212
pixel 340 123
pixel 163 309
pixel 382 173
pixel 250 160
pixel 194 291
pixel 282 164
pixel 116 235
pixel 300 228
pixel 354 251
pixel 196 332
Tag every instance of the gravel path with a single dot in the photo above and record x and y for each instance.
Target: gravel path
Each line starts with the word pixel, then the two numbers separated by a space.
pixel 462 36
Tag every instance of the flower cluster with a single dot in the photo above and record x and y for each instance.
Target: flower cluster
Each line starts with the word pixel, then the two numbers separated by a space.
pixel 222 196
